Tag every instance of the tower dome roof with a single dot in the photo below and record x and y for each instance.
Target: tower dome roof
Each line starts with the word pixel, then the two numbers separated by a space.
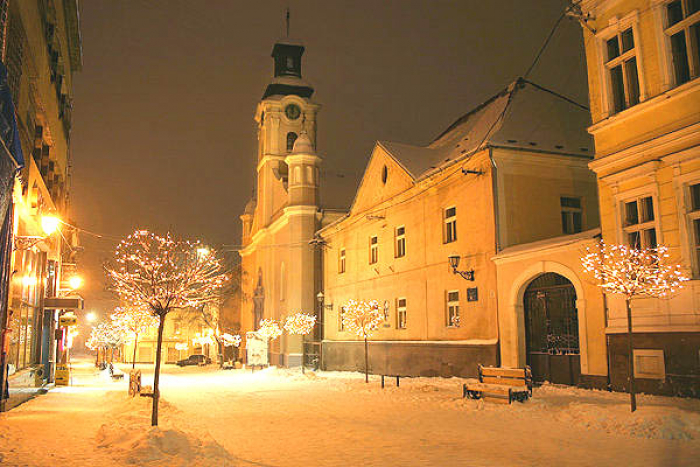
pixel 303 145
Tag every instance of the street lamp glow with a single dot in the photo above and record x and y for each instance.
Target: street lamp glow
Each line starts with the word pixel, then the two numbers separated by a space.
pixel 91 317
pixel 50 224
pixel 203 252
pixel 75 282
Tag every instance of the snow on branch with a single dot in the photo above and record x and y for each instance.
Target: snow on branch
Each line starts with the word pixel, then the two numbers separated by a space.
pixel 299 323
pixel 620 269
pixel 164 273
pixel 269 329
pixel 362 318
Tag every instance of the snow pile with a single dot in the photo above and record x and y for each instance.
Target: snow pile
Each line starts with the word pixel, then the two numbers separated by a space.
pixel 129 438
pixel 645 423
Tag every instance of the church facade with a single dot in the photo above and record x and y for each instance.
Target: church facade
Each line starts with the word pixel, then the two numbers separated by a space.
pixel 280 264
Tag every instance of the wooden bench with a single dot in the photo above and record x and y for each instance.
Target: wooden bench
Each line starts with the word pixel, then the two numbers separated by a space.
pixel 500 385
pixel 115 373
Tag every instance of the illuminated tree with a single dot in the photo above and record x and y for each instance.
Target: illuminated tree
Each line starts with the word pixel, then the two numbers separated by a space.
pixel 300 324
pixel 362 318
pixel 134 321
pixel 164 274
pixel 269 329
pixel 619 269
pixel 209 316
pixel 105 335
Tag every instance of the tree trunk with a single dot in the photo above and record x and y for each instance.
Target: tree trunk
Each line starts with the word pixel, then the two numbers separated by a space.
pixel 366 361
pixel 156 375
pixel 303 355
pixel 220 356
pixel 133 360
pixel 633 396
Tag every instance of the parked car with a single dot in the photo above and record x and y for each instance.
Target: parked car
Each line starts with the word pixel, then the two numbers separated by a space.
pixel 197 359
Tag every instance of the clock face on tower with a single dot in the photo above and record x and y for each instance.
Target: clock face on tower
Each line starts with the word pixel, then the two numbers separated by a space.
pixel 292 111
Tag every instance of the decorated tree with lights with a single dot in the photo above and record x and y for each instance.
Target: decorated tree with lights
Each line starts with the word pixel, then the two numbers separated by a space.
pixel 631 272
pixel 134 321
pixel 268 330
pixel 107 336
pixel 209 315
pixel 362 318
pixel 164 274
pixel 300 324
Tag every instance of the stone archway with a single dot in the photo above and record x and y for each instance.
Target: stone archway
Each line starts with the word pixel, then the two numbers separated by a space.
pixel 513 338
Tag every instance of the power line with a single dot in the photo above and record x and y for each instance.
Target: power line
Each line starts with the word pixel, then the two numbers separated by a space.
pixel 546 43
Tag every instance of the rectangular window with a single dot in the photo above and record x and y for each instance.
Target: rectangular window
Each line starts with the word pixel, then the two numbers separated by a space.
pixel 571 215
pixel 400 238
pixel 683 32
pixel 373 249
pixel 341 316
pixel 621 63
pixel 341 261
pixel 694 218
pixel 639 226
pixel 401 313
pixel 450 217
pixel 453 309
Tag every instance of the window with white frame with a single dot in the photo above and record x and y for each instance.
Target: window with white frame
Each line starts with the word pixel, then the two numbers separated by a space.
pixel 621 68
pixel 400 242
pixel 401 313
pixel 341 261
pixel 452 300
pixel 694 219
pixel 450 228
pixel 571 214
pixel 683 31
pixel 373 249
pixel 639 223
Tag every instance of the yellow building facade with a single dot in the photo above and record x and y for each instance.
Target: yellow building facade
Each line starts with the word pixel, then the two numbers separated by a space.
pixel 42 50
pixel 512 171
pixel 643 59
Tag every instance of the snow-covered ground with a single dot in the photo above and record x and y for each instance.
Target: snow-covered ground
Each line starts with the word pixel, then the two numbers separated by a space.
pixel 282 418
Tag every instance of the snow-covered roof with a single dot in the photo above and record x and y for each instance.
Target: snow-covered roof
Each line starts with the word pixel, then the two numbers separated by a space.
pixel 522 116
pixel 516 251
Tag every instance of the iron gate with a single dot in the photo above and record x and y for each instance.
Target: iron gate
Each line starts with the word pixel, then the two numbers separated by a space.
pixel 551 330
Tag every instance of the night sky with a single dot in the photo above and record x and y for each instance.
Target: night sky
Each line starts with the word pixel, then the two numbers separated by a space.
pixel 163 132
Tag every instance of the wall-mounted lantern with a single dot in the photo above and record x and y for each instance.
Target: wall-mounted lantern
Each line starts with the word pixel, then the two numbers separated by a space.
pixel 454 264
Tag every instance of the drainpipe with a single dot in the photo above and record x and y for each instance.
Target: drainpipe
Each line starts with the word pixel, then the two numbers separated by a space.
pixel 494 196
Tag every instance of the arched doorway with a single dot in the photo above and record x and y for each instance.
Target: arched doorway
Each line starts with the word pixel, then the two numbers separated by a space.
pixel 551 330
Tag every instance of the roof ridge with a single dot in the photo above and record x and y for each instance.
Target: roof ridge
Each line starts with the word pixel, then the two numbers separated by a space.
pixel 508 89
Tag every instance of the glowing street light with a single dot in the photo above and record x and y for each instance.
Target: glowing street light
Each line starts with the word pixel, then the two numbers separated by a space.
pixel 203 252
pixel 75 282
pixel 91 317
pixel 50 224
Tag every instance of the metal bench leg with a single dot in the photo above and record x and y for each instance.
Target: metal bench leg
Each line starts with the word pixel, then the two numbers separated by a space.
pixel 397 381
pixel 382 381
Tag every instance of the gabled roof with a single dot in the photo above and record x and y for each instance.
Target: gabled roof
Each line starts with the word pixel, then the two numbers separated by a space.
pixel 522 116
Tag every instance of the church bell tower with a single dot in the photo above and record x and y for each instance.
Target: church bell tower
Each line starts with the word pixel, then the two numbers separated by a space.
pixel 285 111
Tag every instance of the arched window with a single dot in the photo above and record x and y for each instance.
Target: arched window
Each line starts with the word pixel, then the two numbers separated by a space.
pixel 291 137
